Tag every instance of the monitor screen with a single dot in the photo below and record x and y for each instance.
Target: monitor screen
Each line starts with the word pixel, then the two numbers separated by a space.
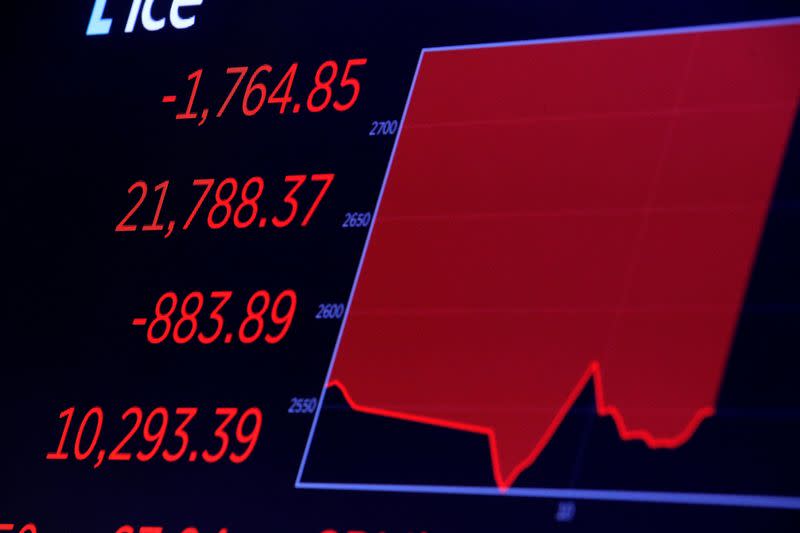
pixel 425 267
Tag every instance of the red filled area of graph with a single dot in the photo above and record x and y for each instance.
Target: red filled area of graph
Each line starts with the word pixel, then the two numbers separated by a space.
pixel 566 212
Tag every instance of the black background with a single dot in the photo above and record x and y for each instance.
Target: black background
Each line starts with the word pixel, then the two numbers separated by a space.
pixel 87 121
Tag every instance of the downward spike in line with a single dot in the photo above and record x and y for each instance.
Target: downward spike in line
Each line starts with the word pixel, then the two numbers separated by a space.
pixel 603 409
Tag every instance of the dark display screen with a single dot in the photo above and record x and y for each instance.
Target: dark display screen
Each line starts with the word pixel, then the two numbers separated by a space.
pixel 424 267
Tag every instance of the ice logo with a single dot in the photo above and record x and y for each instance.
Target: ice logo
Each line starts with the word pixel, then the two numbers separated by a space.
pixel 98 25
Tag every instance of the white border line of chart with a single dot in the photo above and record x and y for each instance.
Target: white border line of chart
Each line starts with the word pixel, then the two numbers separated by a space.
pixel 762 501
pixel 687 498
pixel 355 281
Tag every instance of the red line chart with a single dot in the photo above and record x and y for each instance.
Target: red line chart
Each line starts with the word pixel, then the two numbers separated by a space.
pixel 603 409
pixel 554 199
